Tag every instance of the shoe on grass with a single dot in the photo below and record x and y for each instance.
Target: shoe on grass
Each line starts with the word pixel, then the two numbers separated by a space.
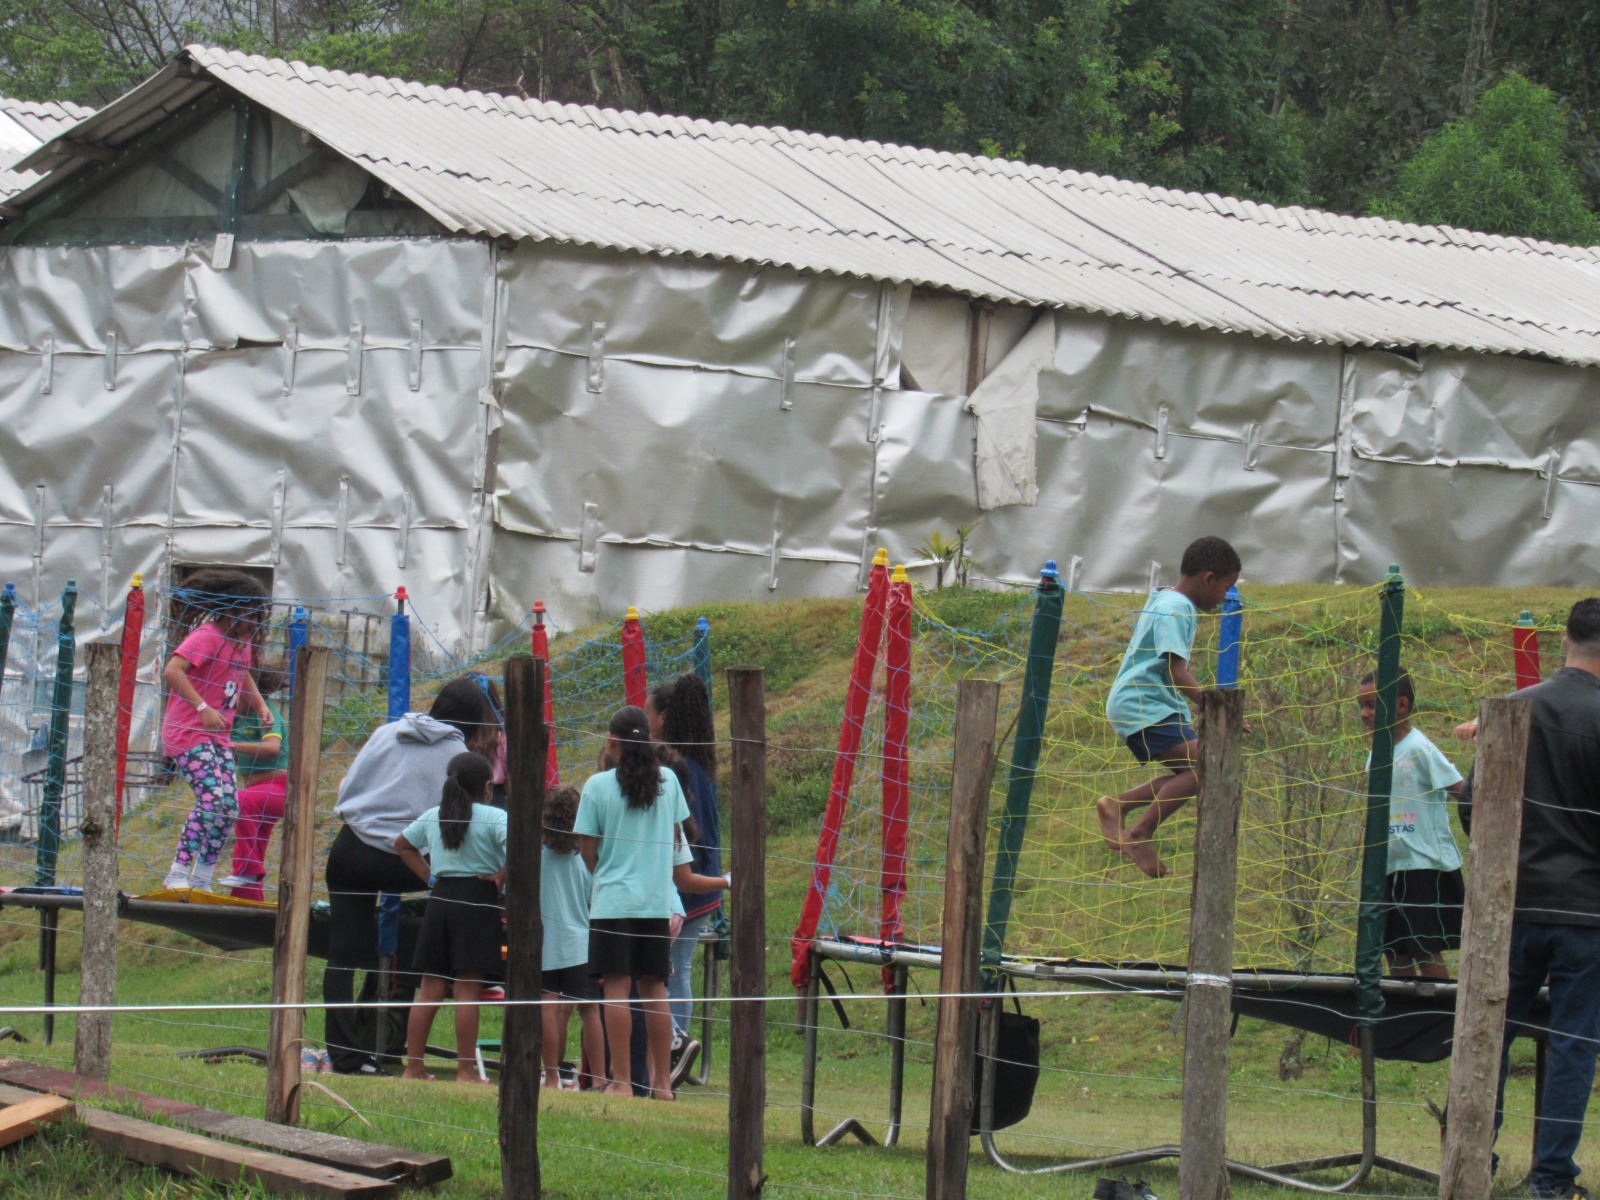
pixel 683 1060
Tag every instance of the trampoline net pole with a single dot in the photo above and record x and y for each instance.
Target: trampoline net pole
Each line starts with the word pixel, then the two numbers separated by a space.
pixel 1380 778
pixel 1037 675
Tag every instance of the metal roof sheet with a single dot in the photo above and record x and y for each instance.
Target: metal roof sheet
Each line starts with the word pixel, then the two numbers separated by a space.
pixel 44 119
pixel 1004 231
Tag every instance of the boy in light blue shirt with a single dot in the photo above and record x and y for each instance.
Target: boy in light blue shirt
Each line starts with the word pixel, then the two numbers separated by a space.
pixel 1149 702
pixel 1423 893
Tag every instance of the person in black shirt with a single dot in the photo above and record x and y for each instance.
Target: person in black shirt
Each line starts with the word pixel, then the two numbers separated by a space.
pixel 1555 929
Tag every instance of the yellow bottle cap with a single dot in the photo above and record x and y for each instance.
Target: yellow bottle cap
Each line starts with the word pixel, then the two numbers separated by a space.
pixel 138 580
pixel 898 575
pixel 633 613
pixel 881 558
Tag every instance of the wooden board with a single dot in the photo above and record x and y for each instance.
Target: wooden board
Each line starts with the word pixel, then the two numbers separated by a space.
pixel 22 1119
pixel 331 1150
pixel 190 1154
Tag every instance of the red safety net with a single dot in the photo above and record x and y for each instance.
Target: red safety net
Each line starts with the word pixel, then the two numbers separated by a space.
pixel 634 685
pixel 1525 654
pixel 541 651
pixel 896 769
pixel 132 629
pixel 844 767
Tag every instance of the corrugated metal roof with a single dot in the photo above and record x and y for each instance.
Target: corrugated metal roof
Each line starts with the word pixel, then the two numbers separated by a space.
pixel 1003 231
pixel 24 124
pixel 44 119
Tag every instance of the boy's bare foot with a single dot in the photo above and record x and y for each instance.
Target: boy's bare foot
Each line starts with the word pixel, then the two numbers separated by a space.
pixel 619 1089
pixel 1110 814
pixel 1143 852
pixel 419 1073
pixel 470 1077
pixel 661 1094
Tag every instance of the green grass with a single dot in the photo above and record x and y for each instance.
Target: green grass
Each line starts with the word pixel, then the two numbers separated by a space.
pixel 1113 1064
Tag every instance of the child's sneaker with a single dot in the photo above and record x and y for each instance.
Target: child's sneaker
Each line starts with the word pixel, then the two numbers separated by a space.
pixel 493 994
pixel 683 1058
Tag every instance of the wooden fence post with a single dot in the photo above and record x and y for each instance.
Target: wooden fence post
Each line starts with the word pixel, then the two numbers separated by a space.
pixel 286 1026
pixel 950 1115
pixel 1208 1002
pixel 91 1043
pixel 747 967
pixel 521 1037
pixel 1482 981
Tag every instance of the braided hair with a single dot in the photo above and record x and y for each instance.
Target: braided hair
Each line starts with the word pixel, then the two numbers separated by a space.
pixel 638 777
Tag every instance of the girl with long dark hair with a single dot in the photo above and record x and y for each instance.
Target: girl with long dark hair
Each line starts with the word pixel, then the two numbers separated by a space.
pixel 395 778
pixel 680 718
pixel 465 840
pixel 629 833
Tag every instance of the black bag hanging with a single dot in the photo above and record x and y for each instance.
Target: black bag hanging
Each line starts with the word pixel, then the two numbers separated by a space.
pixel 1016 1067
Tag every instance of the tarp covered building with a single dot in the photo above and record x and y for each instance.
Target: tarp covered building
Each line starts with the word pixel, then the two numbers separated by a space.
pixel 362 332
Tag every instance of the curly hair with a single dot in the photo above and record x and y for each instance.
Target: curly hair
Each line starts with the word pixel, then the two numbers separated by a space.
pixel 684 706
pixel 236 602
pixel 638 776
pixel 560 814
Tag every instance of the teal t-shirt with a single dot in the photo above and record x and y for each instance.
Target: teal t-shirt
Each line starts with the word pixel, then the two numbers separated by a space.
pixel 564 887
pixel 1143 693
pixel 638 847
pixel 482 851
pixel 247 728
pixel 1420 837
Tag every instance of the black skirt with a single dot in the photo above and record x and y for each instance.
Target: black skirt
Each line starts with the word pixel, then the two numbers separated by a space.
pixel 462 929
pixel 1424 912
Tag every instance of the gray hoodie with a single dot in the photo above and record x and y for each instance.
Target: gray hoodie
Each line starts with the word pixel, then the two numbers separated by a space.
pixel 397 777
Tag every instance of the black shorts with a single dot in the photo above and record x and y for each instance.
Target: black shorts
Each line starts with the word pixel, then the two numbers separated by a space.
pixel 571 983
pixel 461 929
pixel 1423 912
pixel 636 946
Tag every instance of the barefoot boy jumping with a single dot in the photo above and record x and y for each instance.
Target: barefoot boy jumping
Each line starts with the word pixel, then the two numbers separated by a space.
pixel 1148 705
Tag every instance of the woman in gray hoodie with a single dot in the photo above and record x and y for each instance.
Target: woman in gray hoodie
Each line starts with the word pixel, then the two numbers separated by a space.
pixel 395 778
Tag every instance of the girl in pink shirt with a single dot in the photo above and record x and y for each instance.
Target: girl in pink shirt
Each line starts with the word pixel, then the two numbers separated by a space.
pixel 208 677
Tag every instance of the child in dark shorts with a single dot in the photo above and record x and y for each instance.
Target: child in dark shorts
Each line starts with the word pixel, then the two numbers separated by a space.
pixel 1423 893
pixel 465 837
pixel 564 888
pixel 630 837
pixel 1148 706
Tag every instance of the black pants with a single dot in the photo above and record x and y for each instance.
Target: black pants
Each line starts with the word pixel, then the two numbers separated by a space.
pixel 356 874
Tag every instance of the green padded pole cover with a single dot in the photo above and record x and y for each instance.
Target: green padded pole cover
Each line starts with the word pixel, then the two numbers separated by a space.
pixel 1036 678
pixel 1380 781
pixel 55 778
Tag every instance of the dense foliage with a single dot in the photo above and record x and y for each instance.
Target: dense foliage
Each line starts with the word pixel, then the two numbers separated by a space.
pixel 1322 102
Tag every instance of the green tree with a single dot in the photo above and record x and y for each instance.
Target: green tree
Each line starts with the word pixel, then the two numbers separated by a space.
pixel 1503 169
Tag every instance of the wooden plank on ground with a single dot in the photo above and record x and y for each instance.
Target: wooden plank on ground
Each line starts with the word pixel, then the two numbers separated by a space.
pixel 38 1078
pixel 331 1150
pixel 190 1154
pixel 23 1119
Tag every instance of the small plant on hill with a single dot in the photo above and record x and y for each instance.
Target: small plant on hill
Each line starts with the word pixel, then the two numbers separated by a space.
pixel 949 554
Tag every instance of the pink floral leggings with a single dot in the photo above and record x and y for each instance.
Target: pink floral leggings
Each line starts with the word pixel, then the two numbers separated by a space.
pixel 209 769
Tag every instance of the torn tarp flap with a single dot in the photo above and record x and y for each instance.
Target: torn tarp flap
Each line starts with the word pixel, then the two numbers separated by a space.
pixel 1006 406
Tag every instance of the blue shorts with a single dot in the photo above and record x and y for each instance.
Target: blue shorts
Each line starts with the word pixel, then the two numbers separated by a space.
pixel 1155 742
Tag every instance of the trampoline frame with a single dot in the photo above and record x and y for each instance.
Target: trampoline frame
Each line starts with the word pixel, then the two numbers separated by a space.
pixel 900 960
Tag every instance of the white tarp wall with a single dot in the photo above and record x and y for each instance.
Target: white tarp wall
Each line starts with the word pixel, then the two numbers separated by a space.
pixel 313 407
pixel 491 426
pixel 1318 463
